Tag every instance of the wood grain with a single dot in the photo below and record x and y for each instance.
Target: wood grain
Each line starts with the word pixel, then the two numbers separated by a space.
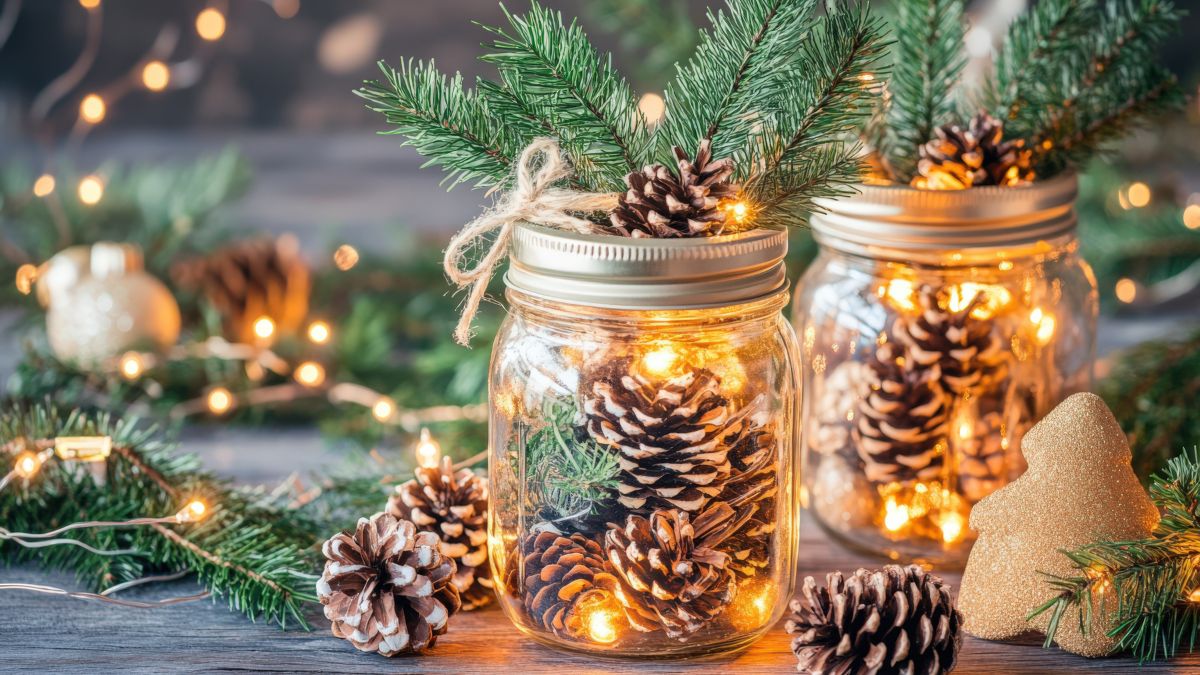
pixel 48 633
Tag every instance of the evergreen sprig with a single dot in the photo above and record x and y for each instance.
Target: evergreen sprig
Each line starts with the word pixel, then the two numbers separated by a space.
pixel 259 559
pixel 567 477
pixel 1146 584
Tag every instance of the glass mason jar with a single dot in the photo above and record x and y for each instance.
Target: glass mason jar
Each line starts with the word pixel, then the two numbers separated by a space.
pixel 643 397
pixel 937 327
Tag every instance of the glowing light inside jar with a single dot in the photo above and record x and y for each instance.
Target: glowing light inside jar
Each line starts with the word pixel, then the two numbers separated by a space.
pixel 895 515
pixel 659 361
pixel 427 450
pixel 601 625
pixel 952 527
pixel 901 294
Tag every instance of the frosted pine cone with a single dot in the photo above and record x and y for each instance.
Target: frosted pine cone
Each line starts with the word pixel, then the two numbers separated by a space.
pixel 981 457
pixel 662 203
pixel 387 587
pixel 563 575
pixel 454 505
pixel 753 485
pixel 967 350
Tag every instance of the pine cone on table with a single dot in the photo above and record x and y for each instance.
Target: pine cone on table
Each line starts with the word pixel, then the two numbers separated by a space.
pixel 894 620
pixel 957 158
pixel 662 203
pixel 452 504
pixel 968 352
pixel 387 587
pixel 982 457
pixel 559 575
pixel 753 486
pixel 670 570
pixel 251 279
pixel 901 423
pixel 671 435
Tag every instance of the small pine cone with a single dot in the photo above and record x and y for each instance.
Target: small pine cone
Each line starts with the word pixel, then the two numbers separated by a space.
pixel 671 573
pixel 452 504
pixel 251 279
pixel 387 587
pixel 671 435
pixel 894 620
pixel 982 458
pixel 901 423
pixel 968 352
pixel 754 482
pixel 562 575
pixel 662 203
pixel 959 158
pixel 837 398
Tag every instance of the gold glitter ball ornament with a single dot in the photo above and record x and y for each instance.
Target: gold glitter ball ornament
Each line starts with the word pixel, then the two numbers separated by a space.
pixel 1079 488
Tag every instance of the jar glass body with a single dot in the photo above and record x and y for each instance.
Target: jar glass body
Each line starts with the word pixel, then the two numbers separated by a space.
pixel 614 431
pixel 922 374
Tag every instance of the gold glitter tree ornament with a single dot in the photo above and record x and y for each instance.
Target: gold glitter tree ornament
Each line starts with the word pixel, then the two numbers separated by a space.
pixel 1079 488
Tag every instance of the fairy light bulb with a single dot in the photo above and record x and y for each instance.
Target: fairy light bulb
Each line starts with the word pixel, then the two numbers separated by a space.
pixel 44 185
pixel 210 24
pixel 219 400
pixel 194 512
pixel 895 515
pixel 345 257
pixel 132 365
pixel 319 332
pixel 601 626
pixel 427 450
pixel 1045 330
pixel 264 327
pixel 27 464
pixel 952 527
pixel 27 274
pixel 383 409
pixel 310 374
pixel 92 109
pixel 737 211
pixel 1194 596
pixel 901 294
pixel 91 190
pixel 659 361
pixel 156 76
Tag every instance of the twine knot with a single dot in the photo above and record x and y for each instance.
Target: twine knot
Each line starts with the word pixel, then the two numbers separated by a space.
pixel 534 199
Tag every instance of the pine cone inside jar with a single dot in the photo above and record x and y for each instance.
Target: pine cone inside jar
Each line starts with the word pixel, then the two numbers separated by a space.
pixel 752 488
pixel 967 351
pixel 671 572
pixel 982 460
pixel 558 577
pixel 251 279
pixel 387 587
pixel 671 435
pixel 957 158
pixel 688 203
pixel 454 505
pixel 837 396
pixel 901 423
pixel 894 620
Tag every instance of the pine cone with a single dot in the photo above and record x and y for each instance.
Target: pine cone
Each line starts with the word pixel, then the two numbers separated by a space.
pixel 562 575
pixel 661 203
pixel 894 620
pixel 251 279
pixel 901 426
pixel 837 397
pixel 387 587
pixel 454 506
pixel 961 158
pixel 670 572
pixel 981 458
pixel 968 352
pixel 754 482
pixel 671 436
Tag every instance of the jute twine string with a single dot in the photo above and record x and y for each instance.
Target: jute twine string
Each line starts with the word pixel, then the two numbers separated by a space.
pixel 532 199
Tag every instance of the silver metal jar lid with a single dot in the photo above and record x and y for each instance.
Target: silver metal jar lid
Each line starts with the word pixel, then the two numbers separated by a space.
pixel 623 273
pixel 928 223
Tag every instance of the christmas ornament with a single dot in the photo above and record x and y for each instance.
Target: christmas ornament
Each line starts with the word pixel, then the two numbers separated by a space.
pixel 901 423
pixel 894 620
pixel 689 203
pixel 248 280
pixel 387 588
pixel 111 305
pixel 671 571
pixel 671 435
pixel 452 504
pixel 564 576
pixel 959 158
pixel 1078 488
pixel 967 351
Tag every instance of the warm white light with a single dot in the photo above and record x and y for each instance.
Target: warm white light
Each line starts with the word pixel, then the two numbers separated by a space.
pixel 156 75
pixel 210 24
pixel 264 327
pixel 952 527
pixel 1126 290
pixel 964 429
pixel 427 450
pixel 1191 217
pixel 737 211
pixel 89 4
pixel 92 109
pixel 132 365
pixel 27 464
pixel 1045 330
pixel 1139 195
pixel 219 400
pixel 318 332
pixel 383 409
pixel 601 628
pixel 895 516
pixel 659 361
pixel 310 374
pixel 345 257
pixel 192 513
pixel 91 190
pixel 286 9
pixel 978 42
pixel 653 106
pixel 44 185
pixel 27 274
pixel 1194 596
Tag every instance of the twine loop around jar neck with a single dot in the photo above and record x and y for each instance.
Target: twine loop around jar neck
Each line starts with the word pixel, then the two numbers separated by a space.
pixel 655 274
pixel 929 226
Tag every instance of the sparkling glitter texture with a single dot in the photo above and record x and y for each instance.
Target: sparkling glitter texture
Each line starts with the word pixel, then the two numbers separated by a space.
pixel 1079 488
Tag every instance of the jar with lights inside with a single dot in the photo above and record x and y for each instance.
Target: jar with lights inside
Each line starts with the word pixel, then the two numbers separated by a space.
pixel 642 439
pixel 936 328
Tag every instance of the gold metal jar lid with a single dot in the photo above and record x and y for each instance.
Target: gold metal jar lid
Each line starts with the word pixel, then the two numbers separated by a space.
pixel 623 273
pixel 883 221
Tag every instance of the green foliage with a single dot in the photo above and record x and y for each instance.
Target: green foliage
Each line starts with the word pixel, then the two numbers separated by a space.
pixel 655 34
pixel 257 557
pixel 1151 579
pixel 1152 390
pixel 568 475
pixel 926 67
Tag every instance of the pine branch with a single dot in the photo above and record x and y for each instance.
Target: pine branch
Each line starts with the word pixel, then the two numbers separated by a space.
pixel 567 477
pixel 259 559
pixel 452 127
pixel 555 72
pixel 928 61
pixel 733 73
pixel 656 34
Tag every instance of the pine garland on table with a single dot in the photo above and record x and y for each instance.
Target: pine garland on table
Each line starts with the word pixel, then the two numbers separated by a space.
pixel 258 558
pixel 1153 585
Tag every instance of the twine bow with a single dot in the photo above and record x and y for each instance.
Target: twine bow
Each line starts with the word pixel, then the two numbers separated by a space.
pixel 533 199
